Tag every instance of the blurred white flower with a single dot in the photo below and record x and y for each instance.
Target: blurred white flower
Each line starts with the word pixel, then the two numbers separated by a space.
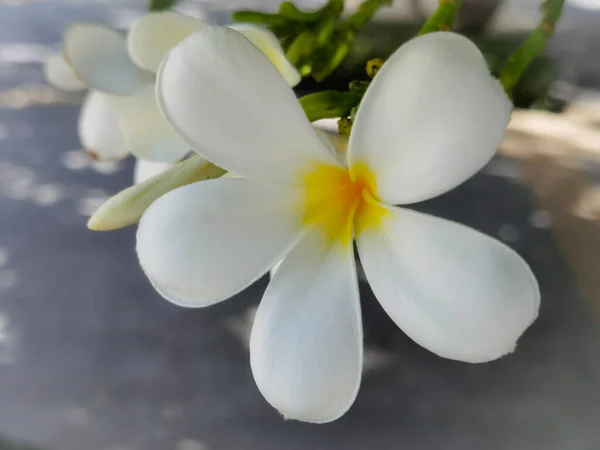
pixel 120 114
pixel 431 118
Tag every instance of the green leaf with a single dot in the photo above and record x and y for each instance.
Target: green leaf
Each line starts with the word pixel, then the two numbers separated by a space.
pixel 334 56
pixel 259 18
pixel 324 31
pixel 301 46
pixel 159 5
pixel 289 11
pixel 359 87
pixel 127 206
pixel 329 104
pixel 365 12
pixel 442 18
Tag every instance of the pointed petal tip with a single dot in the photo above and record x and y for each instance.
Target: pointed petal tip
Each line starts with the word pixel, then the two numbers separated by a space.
pixel 107 218
pixel 97 223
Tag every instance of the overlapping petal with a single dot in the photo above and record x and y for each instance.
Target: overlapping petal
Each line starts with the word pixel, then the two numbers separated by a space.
pixel 144 170
pixel 453 290
pixel 306 341
pixel 147 134
pixel 204 242
pixel 335 144
pixel 268 43
pixel 98 126
pixel 154 35
pixel 234 108
pixel 432 117
pixel 98 55
pixel 60 75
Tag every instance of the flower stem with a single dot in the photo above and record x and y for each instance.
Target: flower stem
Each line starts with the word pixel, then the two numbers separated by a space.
pixel 443 17
pixel 365 13
pixel 535 43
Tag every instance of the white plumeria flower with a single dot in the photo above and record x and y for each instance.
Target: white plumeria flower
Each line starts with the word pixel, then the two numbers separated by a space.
pixel 431 118
pixel 121 98
pixel 120 114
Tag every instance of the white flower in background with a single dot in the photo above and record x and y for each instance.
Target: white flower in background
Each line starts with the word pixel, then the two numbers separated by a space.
pixel 145 169
pixel 154 35
pixel 60 75
pixel 120 114
pixel 431 118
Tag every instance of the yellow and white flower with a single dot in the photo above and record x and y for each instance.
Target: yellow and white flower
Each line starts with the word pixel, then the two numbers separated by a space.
pixel 431 118
pixel 120 114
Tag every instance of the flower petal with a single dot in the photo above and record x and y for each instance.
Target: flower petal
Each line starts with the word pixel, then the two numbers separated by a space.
pixel 99 130
pixel 147 133
pixel 60 75
pixel 155 34
pixel 232 106
pixel 453 290
pixel 306 341
pixel 98 55
pixel 335 144
pixel 144 170
pixel 432 117
pixel 268 43
pixel 204 242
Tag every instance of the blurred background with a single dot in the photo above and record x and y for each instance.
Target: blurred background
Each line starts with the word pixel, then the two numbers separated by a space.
pixel 92 358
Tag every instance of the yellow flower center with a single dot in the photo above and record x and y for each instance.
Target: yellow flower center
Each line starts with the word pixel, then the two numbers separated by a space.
pixel 339 204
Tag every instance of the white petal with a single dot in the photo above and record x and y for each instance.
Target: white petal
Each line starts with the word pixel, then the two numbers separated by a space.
pixel 268 43
pixel 147 169
pixel 99 129
pixel 155 34
pixel 98 55
pixel 337 145
pixel 432 117
pixel 453 290
pixel 204 242
pixel 228 101
pixel 306 342
pixel 147 133
pixel 60 75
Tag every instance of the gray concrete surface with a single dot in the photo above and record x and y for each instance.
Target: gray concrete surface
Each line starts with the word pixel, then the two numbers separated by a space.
pixel 92 358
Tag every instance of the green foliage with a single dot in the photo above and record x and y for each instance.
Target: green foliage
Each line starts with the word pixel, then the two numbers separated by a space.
pixel 317 41
pixel 160 5
pixel 329 104
pixel 534 45
pixel 300 47
pixel 259 18
pixel 443 17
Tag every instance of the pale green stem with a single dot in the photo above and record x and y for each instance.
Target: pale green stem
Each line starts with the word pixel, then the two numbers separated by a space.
pixel 533 46
pixel 443 17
